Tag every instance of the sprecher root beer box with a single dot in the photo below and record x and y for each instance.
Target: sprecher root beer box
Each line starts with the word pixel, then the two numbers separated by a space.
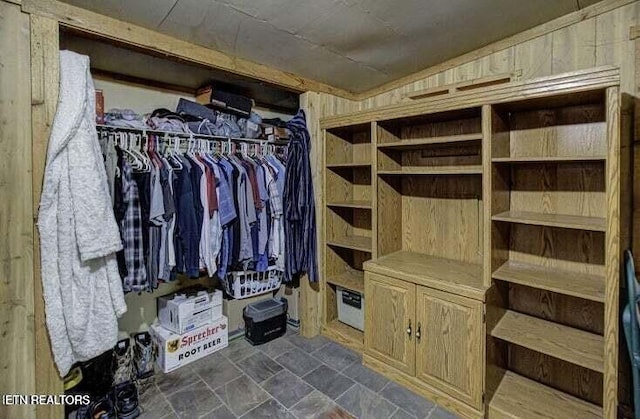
pixel 175 351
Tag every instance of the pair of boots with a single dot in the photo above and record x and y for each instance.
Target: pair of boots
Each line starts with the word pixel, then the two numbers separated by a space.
pixel 133 361
pixel 120 403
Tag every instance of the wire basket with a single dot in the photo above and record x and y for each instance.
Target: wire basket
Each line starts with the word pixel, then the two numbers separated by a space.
pixel 245 284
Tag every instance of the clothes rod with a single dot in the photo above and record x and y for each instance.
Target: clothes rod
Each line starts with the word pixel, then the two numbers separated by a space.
pixel 190 135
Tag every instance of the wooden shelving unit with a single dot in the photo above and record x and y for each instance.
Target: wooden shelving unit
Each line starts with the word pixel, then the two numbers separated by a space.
pixel 492 272
pixel 551 243
pixel 348 230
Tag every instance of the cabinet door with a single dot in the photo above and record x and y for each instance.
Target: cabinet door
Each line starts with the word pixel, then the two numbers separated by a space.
pixel 389 326
pixel 449 336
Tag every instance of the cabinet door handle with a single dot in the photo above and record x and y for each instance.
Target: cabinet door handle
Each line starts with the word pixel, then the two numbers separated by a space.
pixel 409 329
pixel 418 332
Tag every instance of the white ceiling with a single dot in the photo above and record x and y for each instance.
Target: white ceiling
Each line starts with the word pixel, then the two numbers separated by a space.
pixel 355 45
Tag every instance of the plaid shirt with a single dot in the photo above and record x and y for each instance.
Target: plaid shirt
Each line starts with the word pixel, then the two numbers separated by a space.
pixel 131 232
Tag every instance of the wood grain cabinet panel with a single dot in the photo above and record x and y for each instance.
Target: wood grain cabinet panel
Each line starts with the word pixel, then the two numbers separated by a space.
pixel 449 342
pixel 390 321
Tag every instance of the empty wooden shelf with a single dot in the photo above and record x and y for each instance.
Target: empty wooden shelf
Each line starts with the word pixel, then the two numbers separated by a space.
pixel 351 279
pixel 344 334
pixel 421 142
pixel 553 220
pixel 553 339
pixel 450 275
pixel 350 204
pixel 349 165
pixel 435 170
pixel 581 285
pixel 519 397
pixel 554 159
pixel 352 242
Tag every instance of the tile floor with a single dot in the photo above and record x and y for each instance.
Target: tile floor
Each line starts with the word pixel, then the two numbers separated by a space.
pixel 290 377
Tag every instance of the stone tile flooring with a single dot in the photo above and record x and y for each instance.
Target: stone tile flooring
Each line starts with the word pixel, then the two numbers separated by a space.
pixel 288 378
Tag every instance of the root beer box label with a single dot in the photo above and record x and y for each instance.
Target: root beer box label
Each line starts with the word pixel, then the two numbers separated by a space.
pixel 175 351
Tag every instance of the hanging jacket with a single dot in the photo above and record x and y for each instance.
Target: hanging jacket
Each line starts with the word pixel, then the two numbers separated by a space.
pixel 79 236
pixel 299 204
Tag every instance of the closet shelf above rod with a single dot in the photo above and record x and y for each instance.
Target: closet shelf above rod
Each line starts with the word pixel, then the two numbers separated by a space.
pixel 191 135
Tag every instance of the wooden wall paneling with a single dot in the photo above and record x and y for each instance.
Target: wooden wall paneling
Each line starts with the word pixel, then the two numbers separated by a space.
pixel 613 253
pixel 534 57
pixel 570 378
pixel 613 44
pixel 442 216
pixel 310 293
pixel 16 213
pixel 574 47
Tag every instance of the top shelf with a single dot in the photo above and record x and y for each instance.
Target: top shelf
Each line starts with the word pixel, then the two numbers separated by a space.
pixel 420 142
pixel 454 276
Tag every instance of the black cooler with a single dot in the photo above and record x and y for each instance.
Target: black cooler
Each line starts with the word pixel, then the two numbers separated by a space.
pixel 265 320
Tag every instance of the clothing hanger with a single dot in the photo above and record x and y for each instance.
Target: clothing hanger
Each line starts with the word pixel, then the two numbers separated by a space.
pixel 123 143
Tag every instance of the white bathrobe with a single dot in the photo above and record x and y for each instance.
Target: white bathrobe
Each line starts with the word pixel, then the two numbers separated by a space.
pixel 79 236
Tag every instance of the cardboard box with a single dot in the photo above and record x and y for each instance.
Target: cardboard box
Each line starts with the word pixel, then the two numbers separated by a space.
pixel 189 308
pixel 175 351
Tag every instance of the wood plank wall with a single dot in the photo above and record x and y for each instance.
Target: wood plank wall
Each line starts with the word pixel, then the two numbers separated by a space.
pixel 17 340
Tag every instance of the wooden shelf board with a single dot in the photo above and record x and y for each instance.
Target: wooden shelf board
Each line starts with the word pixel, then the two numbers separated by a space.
pixel 449 275
pixel 347 165
pixel 350 204
pixel 435 170
pixel 420 142
pixel 351 279
pixel 548 159
pixel 553 339
pixel 344 334
pixel 519 397
pixel 361 243
pixel 587 286
pixel 553 220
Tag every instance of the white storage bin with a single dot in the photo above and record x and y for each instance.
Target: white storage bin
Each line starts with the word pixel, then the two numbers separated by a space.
pixel 351 308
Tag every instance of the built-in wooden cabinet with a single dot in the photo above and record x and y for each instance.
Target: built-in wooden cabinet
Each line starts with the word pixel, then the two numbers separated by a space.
pixel 390 323
pixel 434 336
pixel 498 219
pixel 449 344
